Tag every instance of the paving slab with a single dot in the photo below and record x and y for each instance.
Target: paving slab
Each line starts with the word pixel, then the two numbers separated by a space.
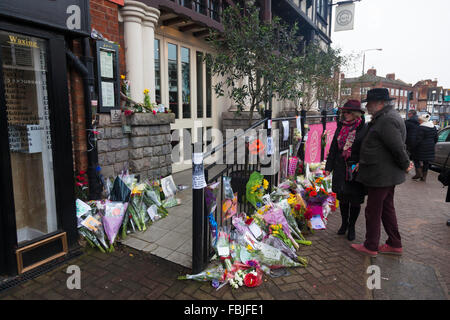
pixel 404 279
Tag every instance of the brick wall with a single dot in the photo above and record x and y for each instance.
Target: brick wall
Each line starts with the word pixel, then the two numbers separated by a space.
pixel 105 19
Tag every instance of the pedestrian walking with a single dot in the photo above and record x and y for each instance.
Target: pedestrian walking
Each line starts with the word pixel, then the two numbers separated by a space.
pixel 412 126
pixel 342 161
pixel 426 140
pixel 383 164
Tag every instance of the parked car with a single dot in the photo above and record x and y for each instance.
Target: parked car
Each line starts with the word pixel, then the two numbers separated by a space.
pixel 442 149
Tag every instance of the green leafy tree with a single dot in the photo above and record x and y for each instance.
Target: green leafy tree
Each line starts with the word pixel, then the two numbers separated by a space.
pixel 255 59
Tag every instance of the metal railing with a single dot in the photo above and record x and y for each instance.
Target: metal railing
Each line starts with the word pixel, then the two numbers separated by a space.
pixel 202 250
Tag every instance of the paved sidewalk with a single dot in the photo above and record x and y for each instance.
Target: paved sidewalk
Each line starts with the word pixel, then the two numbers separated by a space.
pixel 335 271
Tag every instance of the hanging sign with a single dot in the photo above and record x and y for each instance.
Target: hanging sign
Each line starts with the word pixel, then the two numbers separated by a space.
pixel 331 129
pixel 269 146
pixel 198 174
pixel 286 130
pixel 345 17
pixel 313 144
pixel 70 16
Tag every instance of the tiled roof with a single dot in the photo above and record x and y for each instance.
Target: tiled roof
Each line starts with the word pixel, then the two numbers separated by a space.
pixel 372 78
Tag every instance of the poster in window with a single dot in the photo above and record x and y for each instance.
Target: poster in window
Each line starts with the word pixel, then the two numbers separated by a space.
pixel 106 64
pixel 108 94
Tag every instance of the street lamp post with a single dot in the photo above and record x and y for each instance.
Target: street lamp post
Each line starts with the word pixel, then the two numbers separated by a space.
pixel 364 57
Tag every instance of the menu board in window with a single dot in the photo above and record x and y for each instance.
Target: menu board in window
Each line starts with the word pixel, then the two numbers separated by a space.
pixel 108 78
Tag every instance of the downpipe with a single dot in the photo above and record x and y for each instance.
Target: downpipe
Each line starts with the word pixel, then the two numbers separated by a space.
pixel 86 71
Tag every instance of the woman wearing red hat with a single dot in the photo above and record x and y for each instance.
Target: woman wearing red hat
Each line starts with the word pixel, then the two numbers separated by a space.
pixel 343 160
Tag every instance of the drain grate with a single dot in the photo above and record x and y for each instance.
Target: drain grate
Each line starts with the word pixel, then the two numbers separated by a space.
pixel 38 271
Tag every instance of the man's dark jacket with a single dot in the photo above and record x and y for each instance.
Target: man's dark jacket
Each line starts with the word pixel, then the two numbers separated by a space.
pixel 383 159
pixel 412 125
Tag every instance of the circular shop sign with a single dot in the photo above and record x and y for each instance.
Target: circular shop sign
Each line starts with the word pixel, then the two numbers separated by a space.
pixel 344 17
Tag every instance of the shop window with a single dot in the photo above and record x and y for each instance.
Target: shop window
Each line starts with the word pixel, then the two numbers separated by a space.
pixel 30 141
pixel 157 72
pixel 186 82
pixel 199 66
pixel 173 77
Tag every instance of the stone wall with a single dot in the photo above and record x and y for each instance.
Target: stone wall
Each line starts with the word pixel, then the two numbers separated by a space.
pixel 146 151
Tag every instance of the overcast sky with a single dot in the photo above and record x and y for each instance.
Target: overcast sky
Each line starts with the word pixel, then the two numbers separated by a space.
pixel 414 36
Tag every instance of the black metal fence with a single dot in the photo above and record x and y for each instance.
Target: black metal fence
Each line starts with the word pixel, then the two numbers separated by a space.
pixel 239 171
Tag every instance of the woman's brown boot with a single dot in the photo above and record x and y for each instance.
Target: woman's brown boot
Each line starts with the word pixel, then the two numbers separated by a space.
pixel 419 174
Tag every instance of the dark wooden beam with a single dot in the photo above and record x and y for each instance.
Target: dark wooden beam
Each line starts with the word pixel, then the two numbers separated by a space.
pixel 191 27
pixel 173 21
pixel 202 33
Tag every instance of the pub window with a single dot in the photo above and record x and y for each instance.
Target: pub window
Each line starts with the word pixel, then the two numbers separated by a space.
pixel 173 78
pixel 214 9
pixel 186 83
pixel 157 72
pixel 199 6
pixel 199 65
pixel 322 8
pixel 208 91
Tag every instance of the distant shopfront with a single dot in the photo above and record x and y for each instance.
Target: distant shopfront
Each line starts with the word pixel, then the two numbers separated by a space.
pixel 37 215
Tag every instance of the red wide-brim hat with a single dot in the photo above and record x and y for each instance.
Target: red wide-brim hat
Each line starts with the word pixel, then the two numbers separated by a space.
pixel 352 105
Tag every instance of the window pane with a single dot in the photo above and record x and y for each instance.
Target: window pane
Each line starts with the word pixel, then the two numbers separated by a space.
pixel 186 82
pixel 208 91
pixel 173 78
pixel 199 84
pixel 157 73
pixel 30 140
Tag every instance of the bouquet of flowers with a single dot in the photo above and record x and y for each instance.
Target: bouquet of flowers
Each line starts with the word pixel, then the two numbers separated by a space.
pixel 81 186
pixel 276 216
pixel 255 189
pixel 213 273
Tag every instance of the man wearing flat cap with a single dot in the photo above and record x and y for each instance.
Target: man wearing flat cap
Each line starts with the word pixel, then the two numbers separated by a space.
pixel 383 164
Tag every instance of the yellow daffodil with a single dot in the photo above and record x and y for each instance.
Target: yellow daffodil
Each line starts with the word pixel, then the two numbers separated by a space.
pixel 276 232
pixel 122 77
pixel 146 91
pixel 265 184
pixel 249 247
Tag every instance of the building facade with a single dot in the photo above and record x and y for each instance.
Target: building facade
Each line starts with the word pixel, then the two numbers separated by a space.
pixel 60 74
pixel 356 88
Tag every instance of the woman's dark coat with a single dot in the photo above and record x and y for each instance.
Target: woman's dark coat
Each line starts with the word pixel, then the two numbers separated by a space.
pixel 353 192
pixel 426 140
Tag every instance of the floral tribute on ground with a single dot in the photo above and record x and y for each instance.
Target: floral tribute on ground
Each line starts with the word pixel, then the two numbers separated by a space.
pixel 129 206
pixel 271 235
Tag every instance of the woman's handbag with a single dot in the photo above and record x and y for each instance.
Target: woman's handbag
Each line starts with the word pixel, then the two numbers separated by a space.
pixel 350 171
pixel 444 176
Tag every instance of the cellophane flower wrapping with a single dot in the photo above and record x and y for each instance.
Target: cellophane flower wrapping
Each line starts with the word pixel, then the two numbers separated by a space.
pixel 113 218
pixel 280 245
pixel 276 216
pixel 213 273
pixel 255 189
pixel 211 205
pixel 273 257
